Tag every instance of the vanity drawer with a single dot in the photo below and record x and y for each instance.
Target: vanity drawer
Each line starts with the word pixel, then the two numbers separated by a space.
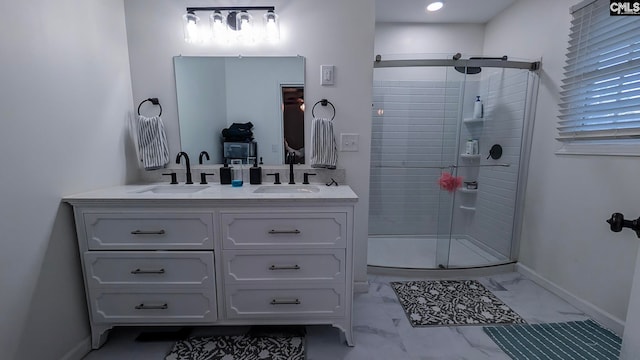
pixel 244 302
pixel 283 265
pixel 153 307
pixel 269 230
pixel 149 231
pixel 192 268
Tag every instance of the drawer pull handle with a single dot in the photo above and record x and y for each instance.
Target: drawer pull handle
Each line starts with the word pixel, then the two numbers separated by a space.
pixel 152 307
pixel 285 302
pixel 145 232
pixel 294 267
pixel 139 271
pixel 296 231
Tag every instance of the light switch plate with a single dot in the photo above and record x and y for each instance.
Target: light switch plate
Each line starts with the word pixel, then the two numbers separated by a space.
pixel 327 74
pixel 349 142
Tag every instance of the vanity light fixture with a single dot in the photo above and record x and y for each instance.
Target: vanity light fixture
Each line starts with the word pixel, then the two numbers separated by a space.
pixel 232 24
pixel 435 6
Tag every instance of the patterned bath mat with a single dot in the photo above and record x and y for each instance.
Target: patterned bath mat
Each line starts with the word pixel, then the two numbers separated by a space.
pixel 241 347
pixel 452 302
pixel 584 340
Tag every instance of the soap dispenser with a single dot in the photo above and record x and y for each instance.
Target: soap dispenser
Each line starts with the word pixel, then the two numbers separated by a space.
pixel 225 174
pixel 255 173
pixel 478 109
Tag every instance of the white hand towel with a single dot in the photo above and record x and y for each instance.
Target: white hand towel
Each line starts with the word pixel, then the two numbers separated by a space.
pixel 152 142
pixel 323 153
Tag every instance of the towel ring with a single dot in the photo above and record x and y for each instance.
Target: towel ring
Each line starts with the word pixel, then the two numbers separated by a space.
pixel 154 101
pixel 324 102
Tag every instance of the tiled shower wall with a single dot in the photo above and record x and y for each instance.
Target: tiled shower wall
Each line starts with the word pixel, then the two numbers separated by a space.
pixel 415 126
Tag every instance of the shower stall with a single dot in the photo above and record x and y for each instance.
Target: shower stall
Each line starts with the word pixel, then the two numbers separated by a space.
pixel 447 182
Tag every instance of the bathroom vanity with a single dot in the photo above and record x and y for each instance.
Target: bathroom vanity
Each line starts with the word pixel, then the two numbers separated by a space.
pixel 187 255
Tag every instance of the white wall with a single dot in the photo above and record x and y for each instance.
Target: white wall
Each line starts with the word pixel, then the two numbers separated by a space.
pixel 328 32
pixel 64 97
pixel 394 40
pixel 565 238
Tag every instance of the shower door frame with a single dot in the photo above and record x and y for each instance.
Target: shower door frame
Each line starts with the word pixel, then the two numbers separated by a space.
pixel 527 131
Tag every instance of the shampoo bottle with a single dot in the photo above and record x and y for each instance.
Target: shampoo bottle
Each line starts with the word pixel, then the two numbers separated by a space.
pixel 225 174
pixel 469 148
pixel 255 173
pixel 477 109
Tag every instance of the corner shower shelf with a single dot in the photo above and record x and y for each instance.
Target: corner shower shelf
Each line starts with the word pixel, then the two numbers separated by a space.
pixel 473 121
pixel 468 191
pixel 470 156
pixel 467 208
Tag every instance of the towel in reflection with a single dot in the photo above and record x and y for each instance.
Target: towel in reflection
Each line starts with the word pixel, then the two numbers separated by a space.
pixel 323 152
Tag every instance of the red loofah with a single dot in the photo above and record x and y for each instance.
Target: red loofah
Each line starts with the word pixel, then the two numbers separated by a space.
pixel 449 182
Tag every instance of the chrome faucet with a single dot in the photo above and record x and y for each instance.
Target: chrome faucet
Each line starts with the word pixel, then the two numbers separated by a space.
pixel 291 158
pixel 187 163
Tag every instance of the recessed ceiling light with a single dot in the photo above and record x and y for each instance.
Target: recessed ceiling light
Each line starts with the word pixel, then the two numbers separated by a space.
pixel 435 6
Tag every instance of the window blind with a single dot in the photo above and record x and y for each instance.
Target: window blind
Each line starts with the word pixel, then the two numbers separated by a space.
pixel 600 92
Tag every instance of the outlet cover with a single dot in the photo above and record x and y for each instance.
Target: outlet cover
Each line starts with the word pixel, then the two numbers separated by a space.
pixel 349 142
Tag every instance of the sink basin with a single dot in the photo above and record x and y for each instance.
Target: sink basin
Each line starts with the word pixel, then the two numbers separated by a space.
pixel 286 189
pixel 173 189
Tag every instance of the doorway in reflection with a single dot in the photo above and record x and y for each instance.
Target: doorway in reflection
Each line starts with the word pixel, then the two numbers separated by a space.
pixel 293 121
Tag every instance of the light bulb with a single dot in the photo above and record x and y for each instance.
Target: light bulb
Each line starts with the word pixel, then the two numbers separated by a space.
pixel 218 27
pixel 245 27
pixel 272 26
pixel 435 6
pixel 191 27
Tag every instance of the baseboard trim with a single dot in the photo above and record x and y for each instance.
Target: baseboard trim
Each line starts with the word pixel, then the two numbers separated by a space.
pixel 454 273
pixel 604 318
pixel 79 351
pixel 360 287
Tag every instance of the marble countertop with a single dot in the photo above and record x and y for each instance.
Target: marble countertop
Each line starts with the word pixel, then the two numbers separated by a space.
pixel 165 191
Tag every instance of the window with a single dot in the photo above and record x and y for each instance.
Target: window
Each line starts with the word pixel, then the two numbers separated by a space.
pixel 600 97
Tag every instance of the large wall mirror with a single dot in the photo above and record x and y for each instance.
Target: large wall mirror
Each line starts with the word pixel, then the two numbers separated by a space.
pixel 215 92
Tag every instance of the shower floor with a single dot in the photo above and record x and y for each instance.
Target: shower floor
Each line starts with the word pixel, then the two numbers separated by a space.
pixel 420 253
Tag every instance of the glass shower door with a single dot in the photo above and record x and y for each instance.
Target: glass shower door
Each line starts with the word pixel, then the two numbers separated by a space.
pixel 453 97
pixel 484 209
pixel 414 136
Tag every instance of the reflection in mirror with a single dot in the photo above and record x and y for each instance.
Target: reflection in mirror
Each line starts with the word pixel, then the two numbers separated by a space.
pixel 293 121
pixel 215 92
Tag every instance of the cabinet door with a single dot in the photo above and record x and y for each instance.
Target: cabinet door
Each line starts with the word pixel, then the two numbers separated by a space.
pixel 279 230
pixel 149 231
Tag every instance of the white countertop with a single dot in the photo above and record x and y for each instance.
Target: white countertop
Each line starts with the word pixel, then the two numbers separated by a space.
pixel 214 192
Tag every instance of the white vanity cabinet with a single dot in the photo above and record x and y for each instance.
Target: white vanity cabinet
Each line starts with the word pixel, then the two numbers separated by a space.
pixel 145 265
pixel 207 260
pixel 288 265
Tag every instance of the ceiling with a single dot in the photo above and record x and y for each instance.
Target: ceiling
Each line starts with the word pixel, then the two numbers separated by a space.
pixel 454 11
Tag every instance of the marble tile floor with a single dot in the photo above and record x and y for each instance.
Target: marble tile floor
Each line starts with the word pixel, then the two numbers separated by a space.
pixel 381 328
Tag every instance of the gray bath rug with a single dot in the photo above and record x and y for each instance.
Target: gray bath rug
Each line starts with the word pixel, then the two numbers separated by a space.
pixel 241 347
pixel 452 302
